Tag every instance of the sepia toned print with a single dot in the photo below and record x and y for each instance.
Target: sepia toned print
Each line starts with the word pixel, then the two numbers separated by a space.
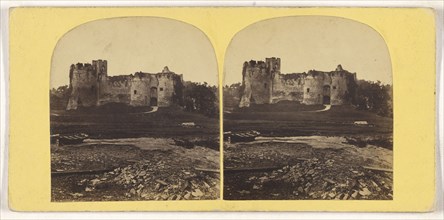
pixel 133 115
pixel 308 112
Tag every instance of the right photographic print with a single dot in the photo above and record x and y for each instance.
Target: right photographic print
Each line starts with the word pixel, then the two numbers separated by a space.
pixel 307 108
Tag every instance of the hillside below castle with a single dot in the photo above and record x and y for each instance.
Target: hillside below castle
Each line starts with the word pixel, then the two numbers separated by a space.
pixel 263 83
pixel 91 86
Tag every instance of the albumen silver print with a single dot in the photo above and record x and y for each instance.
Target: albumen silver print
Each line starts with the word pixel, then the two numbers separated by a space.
pixel 134 112
pixel 308 112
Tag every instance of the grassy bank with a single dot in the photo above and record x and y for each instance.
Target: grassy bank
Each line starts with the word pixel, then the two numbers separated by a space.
pixel 166 122
pixel 339 120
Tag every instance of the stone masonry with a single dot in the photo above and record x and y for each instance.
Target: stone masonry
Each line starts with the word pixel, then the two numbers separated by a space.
pixel 91 86
pixel 263 83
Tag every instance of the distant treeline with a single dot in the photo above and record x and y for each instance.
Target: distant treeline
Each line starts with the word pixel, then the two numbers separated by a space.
pixel 195 97
pixel 364 95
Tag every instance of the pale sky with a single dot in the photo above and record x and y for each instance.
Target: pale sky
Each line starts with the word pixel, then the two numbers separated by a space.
pixel 135 44
pixel 311 42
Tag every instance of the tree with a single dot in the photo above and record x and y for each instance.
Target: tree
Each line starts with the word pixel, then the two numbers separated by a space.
pixel 375 97
pixel 201 98
pixel 59 97
pixel 232 95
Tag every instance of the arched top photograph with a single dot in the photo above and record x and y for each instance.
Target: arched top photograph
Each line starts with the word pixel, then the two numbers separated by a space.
pixel 133 101
pixel 309 100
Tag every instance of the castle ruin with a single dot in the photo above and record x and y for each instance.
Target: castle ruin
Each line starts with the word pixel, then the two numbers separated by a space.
pixel 91 86
pixel 263 83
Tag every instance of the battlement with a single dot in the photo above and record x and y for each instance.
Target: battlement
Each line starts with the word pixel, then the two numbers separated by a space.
pixel 91 86
pixel 338 72
pixel 81 66
pixel 254 64
pixel 264 84
pixel 97 66
pixel 270 64
pixel 273 64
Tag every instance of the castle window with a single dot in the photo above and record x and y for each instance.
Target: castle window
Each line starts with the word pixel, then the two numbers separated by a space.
pixel 334 87
pixel 265 85
pixel 135 92
pixel 161 89
pixel 308 89
pixel 92 88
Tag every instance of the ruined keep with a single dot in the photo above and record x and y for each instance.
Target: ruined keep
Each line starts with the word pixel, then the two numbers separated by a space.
pixel 91 86
pixel 263 83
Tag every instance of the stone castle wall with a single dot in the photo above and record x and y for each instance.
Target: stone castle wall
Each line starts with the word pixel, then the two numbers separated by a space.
pixel 264 84
pixel 166 89
pixel 287 87
pixel 258 80
pixel 141 88
pixel 115 89
pixel 82 79
pixel 91 86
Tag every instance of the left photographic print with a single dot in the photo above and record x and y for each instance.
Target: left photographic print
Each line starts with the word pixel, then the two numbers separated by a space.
pixel 134 112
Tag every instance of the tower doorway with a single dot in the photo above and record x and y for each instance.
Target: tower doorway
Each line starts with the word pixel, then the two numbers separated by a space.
pixel 153 96
pixel 326 100
pixel 153 101
pixel 326 95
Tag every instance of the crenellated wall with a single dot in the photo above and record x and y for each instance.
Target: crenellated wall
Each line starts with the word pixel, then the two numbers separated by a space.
pixel 101 67
pixel 115 89
pixel 288 87
pixel 314 87
pixel 263 84
pixel 83 81
pixel 91 86
pixel 140 93
pixel 258 81
pixel 166 88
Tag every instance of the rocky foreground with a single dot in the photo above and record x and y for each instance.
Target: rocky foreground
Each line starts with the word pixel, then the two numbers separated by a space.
pixel 322 168
pixel 134 169
pixel 314 179
pixel 141 181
